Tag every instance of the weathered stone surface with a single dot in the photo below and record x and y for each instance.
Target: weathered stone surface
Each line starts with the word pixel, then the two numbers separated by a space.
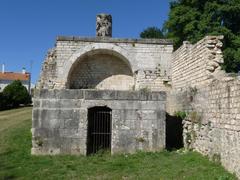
pixel 147 61
pixel 114 40
pixel 192 64
pixel 101 71
pixel 60 122
pixel 212 100
pixel 58 94
pixel 96 94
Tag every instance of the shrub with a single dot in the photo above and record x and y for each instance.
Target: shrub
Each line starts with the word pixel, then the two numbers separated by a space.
pixel 180 114
pixel 15 94
pixel 3 101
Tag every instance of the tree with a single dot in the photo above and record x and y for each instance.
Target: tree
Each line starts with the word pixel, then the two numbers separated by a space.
pixel 3 102
pixel 16 94
pixel 152 32
pixel 191 20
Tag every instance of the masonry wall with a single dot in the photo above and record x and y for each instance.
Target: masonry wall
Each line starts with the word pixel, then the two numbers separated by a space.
pixel 193 65
pixel 101 72
pixel 213 125
pixel 60 120
pixel 211 99
pixel 142 55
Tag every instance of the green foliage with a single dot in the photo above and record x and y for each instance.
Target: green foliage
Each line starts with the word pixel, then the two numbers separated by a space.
pixel 140 139
pixel 15 94
pixel 152 32
pixel 3 101
pixel 191 20
pixel 180 114
pixel 216 158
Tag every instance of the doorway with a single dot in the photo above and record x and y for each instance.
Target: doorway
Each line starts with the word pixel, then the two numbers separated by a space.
pixel 174 132
pixel 99 129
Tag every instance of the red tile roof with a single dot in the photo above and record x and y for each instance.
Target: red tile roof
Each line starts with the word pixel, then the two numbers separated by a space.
pixel 14 76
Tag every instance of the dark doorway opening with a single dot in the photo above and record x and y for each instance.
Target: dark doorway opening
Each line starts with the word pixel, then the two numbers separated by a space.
pixel 99 129
pixel 174 132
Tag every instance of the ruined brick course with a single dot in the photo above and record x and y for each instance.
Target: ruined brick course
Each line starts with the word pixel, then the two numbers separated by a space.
pixel 212 100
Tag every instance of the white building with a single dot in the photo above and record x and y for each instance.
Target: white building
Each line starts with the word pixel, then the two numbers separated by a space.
pixel 8 77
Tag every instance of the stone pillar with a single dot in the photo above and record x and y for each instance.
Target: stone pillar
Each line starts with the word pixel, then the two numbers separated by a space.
pixel 104 25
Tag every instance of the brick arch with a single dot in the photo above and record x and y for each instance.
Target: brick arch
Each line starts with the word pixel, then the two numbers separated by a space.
pixel 93 50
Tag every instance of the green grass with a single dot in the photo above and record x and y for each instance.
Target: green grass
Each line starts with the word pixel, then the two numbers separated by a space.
pixel 14 117
pixel 16 161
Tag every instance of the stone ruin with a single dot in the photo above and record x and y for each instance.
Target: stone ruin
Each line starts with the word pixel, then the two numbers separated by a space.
pixel 115 94
pixel 95 93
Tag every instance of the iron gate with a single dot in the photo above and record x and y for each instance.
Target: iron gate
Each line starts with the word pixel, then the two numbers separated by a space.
pixel 99 129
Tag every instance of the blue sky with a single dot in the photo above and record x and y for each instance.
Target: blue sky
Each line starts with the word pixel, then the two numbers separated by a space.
pixel 28 28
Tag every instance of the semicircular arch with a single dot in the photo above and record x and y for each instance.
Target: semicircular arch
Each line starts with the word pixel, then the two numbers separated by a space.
pixel 93 49
pixel 84 67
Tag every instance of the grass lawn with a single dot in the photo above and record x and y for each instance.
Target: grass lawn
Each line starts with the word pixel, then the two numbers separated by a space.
pixel 16 161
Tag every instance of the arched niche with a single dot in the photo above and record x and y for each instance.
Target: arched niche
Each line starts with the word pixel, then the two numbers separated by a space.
pixel 101 69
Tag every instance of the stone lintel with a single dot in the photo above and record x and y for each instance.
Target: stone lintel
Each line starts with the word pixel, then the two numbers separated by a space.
pixel 89 94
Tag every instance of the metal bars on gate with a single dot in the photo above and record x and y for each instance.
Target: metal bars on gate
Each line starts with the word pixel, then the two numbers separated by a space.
pixel 99 129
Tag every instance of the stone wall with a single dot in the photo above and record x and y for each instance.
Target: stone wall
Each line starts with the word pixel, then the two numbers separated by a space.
pixel 193 65
pixel 213 124
pixel 139 54
pixel 153 79
pixel 60 120
pixel 101 72
pixel 211 100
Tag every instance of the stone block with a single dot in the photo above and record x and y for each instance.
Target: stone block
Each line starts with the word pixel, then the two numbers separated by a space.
pixel 128 104
pixel 65 146
pixel 157 96
pixel 59 94
pixel 52 123
pixel 70 94
pixel 155 139
pixel 71 123
pixel 129 114
pixel 61 103
pixel 45 132
pixel 146 124
pixel 99 95
pixel 127 95
pixel 36 119
pixel 69 133
pixel 126 142
pixel 36 103
pixel 131 124
pixel 46 94
pixel 152 105
pixel 148 114
pixel 60 114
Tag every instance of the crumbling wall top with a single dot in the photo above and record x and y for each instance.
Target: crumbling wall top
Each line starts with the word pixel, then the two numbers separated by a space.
pixel 115 40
